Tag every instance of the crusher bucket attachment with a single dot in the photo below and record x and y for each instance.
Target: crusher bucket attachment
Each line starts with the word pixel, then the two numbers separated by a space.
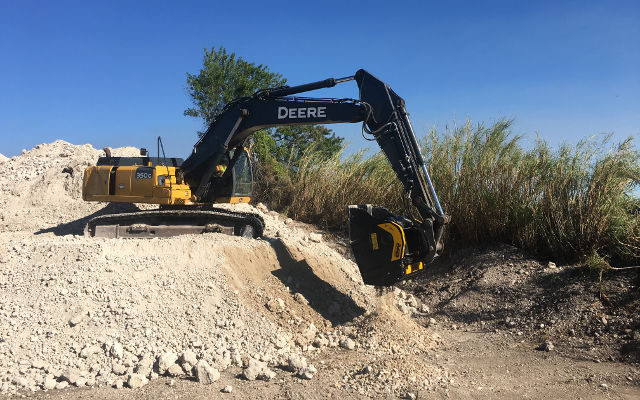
pixel 387 248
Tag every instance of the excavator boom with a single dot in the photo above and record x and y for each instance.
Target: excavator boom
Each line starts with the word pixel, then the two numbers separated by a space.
pixel 387 248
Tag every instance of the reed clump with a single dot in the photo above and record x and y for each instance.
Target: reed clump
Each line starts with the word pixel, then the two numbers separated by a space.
pixel 566 203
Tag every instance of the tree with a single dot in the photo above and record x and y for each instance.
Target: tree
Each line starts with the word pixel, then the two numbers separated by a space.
pixel 225 77
pixel 292 142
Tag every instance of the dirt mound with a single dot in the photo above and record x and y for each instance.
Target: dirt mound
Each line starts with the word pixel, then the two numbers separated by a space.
pixel 3 158
pixel 41 188
pixel 501 289
pixel 87 311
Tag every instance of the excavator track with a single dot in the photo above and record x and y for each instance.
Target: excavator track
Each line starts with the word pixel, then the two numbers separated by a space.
pixel 165 223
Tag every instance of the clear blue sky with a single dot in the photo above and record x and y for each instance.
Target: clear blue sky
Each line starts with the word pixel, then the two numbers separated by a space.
pixel 113 73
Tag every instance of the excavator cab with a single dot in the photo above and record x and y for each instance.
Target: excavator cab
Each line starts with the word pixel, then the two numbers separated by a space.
pixel 234 184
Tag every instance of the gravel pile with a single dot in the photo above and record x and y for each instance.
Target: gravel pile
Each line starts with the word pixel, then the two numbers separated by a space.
pixel 85 311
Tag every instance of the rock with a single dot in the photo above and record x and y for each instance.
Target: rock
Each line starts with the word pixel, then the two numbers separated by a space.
pixel 165 361
pixel 205 374
pixel 307 372
pixel 49 382
pixel 347 343
pixel 432 322
pixel 89 350
pixel 21 381
pixel 187 368
pixel 295 363
pixel 80 382
pixel 136 381
pixel 189 357
pixel 227 389
pixel 321 341
pixel 424 308
pixel 116 350
pixel 62 385
pixel 70 375
pixel 257 370
pixel 276 305
pixel 118 368
pixel 404 308
pixel 552 265
pixel 300 299
pixel 604 386
pixel 119 384
pixel 174 370
pixel 236 358
pixel 310 332
pixel 38 364
pixel 315 237
pixel 546 346
pixel 145 366
pixel 78 317
pixel 262 207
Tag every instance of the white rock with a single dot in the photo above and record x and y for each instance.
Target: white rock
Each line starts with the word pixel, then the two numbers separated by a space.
pixel 258 370
pixel 89 350
pixel 145 366
pixel 78 317
pixel 174 370
pixel 165 361
pixel 295 363
pixel 187 368
pixel 136 381
pixel 118 368
pixel 347 343
pixel 307 372
pixel 227 389
pixel 188 356
pixel 205 374
pixel 49 382
pixel 21 381
pixel 300 299
pixel 62 385
pixel 116 350
pixel 70 375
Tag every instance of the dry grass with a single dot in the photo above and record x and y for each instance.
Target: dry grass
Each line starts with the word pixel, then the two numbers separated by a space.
pixel 566 204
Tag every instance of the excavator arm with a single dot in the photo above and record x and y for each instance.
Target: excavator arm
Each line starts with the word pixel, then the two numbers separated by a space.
pixel 387 248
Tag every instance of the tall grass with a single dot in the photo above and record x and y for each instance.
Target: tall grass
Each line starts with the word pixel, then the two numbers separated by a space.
pixel 566 204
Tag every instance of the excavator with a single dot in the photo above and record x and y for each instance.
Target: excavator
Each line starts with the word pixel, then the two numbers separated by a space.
pixel 387 248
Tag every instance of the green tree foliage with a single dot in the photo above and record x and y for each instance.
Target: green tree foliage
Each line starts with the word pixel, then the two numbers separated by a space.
pixel 293 142
pixel 225 77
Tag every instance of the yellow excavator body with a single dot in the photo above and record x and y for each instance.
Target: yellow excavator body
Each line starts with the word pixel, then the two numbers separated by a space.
pixel 135 184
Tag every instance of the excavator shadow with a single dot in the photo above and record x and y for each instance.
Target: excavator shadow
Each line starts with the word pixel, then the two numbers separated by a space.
pixel 326 300
pixel 76 227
